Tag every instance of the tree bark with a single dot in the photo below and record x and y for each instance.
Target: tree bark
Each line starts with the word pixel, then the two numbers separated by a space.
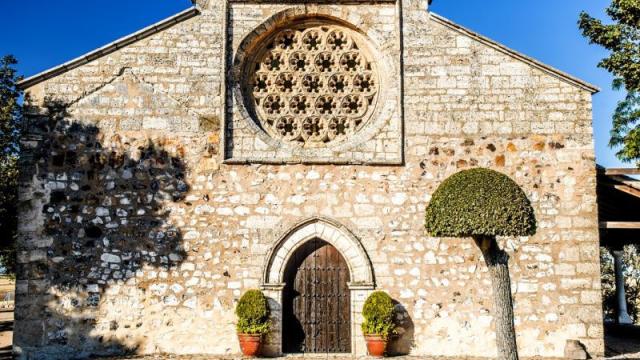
pixel 498 263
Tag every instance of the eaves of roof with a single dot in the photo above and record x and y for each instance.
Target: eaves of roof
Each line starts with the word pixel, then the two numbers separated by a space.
pixel 516 55
pixel 193 11
pixel 110 48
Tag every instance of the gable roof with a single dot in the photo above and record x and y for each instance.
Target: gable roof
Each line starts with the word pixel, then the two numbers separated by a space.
pixel 515 54
pixel 110 48
pixel 194 11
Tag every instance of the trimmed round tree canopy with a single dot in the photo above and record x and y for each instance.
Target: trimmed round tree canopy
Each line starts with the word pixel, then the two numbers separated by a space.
pixel 479 202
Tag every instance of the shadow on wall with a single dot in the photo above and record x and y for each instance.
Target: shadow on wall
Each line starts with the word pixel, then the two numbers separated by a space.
pixel 108 218
pixel 404 341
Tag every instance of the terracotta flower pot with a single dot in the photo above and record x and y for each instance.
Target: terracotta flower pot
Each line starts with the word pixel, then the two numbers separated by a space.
pixel 376 345
pixel 250 344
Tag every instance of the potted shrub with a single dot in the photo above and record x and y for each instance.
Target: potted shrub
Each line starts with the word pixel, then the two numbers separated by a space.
pixel 378 325
pixel 253 321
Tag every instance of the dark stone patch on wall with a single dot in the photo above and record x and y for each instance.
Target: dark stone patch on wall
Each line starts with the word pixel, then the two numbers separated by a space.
pixel 107 217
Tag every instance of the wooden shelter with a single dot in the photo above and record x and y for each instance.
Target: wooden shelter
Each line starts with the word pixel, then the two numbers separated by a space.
pixel 619 215
pixel 619 207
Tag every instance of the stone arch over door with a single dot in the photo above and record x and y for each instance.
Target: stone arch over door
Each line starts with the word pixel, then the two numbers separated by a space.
pixel 361 284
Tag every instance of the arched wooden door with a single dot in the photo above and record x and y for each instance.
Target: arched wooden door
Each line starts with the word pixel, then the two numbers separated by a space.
pixel 316 301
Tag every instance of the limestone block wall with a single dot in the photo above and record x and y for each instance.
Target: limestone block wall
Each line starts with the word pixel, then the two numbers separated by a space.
pixel 136 236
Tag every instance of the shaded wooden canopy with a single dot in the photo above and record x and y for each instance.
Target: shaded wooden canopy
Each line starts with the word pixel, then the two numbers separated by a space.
pixel 619 206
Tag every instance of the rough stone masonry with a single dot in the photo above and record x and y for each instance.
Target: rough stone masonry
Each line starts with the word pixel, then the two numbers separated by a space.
pixel 167 173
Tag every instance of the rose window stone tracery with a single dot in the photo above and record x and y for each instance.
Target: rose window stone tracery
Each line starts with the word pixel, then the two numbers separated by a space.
pixel 312 84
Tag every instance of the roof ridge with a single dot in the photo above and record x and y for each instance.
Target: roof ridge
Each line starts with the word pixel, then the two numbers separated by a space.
pixel 516 54
pixel 110 48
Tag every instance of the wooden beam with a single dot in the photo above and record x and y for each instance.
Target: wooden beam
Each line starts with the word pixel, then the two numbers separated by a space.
pixel 614 171
pixel 628 189
pixel 626 180
pixel 619 225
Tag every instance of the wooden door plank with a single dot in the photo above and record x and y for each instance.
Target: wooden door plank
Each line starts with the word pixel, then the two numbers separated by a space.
pixel 317 300
pixel 320 301
pixel 309 306
pixel 314 301
pixel 324 300
pixel 333 302
pixel 317 281
pixel 300 314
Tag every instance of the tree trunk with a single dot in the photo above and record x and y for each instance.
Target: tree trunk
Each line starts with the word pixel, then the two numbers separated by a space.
pixel 498 263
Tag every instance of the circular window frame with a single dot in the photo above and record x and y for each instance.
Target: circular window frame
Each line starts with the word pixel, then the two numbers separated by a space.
pixel 372 40
pixel 269 48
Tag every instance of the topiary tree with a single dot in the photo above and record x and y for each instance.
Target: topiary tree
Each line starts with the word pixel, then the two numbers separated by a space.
pixel 482 204
pixel 253 313
pixel 378 313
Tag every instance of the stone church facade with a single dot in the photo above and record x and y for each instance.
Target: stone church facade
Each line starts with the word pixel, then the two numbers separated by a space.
pixel 167 173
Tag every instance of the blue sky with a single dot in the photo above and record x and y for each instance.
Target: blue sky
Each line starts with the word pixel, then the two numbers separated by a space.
pixel 45 33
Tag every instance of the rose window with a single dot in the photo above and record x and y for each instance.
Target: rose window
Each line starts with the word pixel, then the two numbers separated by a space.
pixel 312 84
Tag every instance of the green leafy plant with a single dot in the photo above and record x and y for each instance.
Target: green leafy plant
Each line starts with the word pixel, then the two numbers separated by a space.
pixel 620 38
pixel 253 313
pixel 479 202
pixel 10 121
pixel 483 204
pixel 379 312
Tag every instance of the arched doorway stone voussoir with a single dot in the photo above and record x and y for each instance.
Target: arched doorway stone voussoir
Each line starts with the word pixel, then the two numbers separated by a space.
pixel 325 229
pixel 361 271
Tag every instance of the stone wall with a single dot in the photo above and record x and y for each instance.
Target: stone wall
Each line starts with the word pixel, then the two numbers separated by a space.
pixel 136 236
